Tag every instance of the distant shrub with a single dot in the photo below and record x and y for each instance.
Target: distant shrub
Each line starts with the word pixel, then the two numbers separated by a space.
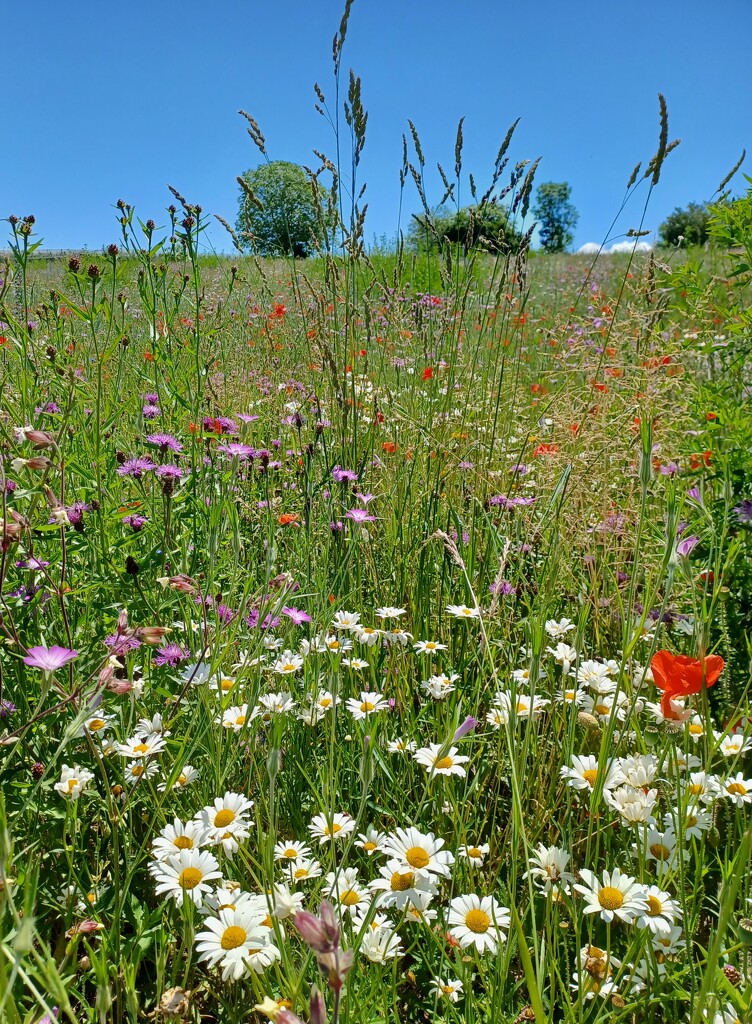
pixel 488 227
pixel 685 227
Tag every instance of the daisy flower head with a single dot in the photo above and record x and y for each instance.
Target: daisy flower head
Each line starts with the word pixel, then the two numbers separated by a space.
pixel 236 942
pixel 702 787
pixel 357 664
pixel 346 620
pixel 660 913
pixel 346 891
pixel 584 772
pixel 186 777
pixel 142 746
pixel 634 805
pixel 548 869
pixel 419 852
pixel 97 725
pixel 399 886
pixel 368 704
pixel 304 870
pixel 234 717
pixel 397 636
pixel 176 837
pixel 400 746
pixel 557 629
pixel 187 875
pixel 450 989
pixel 288 664
pixel 381 944
pixel 462 611
pixel 339 827
pixel 137 770
pixel 616 895
pixel 428 647
pixel 334 645
pixel 439 686
pixel 475 855
pixel 437 760
pixel 390 612
pixel 660 847
pixel 737 789
pixel 478 921
pixel 734 744
pixel 371 841
pixel 638 770
pixel 367 635
pixel 73 781
pixel 227 812
pixel 596 970
pixel 291 850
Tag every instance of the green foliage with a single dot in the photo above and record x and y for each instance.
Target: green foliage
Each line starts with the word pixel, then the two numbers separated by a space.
pixel 556 215
pixel 685 227
pixel 486 226
pixel 277 211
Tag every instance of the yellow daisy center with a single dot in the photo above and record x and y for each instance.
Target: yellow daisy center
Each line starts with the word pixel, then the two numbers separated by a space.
pixel 590 775
pixel 96 724
pixel 183 842
pixel 369 846
pixel 474 852
pixel 349 898
pixel 267 922
pixel 660 852
pixel 443 763
pixel 521 706
pixel 477 920
pixel 223 817
pixel 72 783
pixel 696 788
pixel 227 684
pixel 367 706
pixel 240 720
pixel 141 748
pixel 691 821
pixel 417 857
pixel 137 769
pixel 655 907
pixel 737 788
pixel 233 937
pixel 189 879
pixel 401 882
pixel 290 853
pixel 300 873
pixel 182 780
pixel 325 702
pixel 602 709
pixel 333 831
pixel 611 898
pixel 696 729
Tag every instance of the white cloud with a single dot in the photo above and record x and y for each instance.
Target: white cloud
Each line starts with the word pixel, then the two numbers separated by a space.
pixel 591 248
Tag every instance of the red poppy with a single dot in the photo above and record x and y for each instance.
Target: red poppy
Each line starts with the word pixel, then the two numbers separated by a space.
pixel 288 519
pixel 428 373
pixel 545 449
pixel 678 675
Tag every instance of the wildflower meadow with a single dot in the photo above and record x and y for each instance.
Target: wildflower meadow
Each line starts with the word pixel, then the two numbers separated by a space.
pixel 374 628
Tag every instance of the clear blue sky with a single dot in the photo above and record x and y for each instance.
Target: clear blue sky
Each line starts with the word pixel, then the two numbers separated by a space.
pixel 102 101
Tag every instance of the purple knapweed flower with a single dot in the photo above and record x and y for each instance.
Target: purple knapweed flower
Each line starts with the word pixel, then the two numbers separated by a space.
pixel 743 510
pixel 340 474
pixel 136 522
pixel 151 412
pixel 165 442
pixel 169 472
pixel 170 655
pixel 136 467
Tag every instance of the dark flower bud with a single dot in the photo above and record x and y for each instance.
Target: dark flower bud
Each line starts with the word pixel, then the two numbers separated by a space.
pixel 112 250
pixel 93 271
pixel 125 341
pixel 120 204
pixel 131 566
pixel 13 220
pixel 121 457
pixel 187 223
pixel 74 264
pixel 150 225
pixel 172 210
pixel 37 770
pixel 31 219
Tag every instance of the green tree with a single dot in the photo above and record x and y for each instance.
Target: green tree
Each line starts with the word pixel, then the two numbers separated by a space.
pixel 688 226
pixel 556 216
pixel 277 211
pixel 487 227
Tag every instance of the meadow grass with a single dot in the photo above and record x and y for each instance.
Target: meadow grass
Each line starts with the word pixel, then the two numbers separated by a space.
pixel 341 602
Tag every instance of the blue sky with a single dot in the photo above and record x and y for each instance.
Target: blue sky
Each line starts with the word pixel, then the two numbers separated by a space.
pixel 104 101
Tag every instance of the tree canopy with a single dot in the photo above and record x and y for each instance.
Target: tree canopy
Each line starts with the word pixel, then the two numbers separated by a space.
pixel 556 215
pixel 486 227
pixel 277 211
pixel 686 226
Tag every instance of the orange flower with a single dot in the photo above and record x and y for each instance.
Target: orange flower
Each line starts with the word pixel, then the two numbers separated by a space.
pixel 678 675
pixel 545 449
pixel 288 518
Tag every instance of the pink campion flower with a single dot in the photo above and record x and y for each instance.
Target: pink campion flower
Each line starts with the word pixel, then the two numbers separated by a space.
pixel 360 515
pixel 686 546
pixel 297 615
pixel 49 659
pixel 467 726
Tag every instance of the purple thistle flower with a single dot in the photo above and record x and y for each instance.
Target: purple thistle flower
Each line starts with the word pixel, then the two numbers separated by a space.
pixel 743 510
pixel 7 707
pixel 150 412
pixel 225 614
pixel 297 615
pixel 151 397
pixel 170 655
pixel 339 474
pixel 165 442
pixel 503 587
pixel 336 527
pixel 49 659
pixel 136 467
pixel 219 425
pixel 119 644
pixel 360 515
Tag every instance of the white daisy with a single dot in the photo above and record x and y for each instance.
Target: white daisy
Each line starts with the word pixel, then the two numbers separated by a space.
pixel 462 611
pixel 176 837
pixel 339 827
pixel 660 913
pixel 617 895
pixel 236 941
pixel 369 703
pixel 73 781
pixel 399 885
pixel 428 647
pixel 548 869
pixel 418 851
pixel 437 760
pixel 476 855
pixel 450 989
pixel 187 874
pixel 478 921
